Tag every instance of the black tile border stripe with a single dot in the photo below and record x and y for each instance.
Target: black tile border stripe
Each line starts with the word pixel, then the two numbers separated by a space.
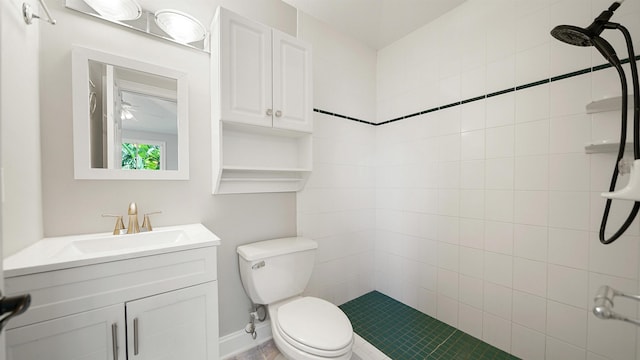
pixel 482 97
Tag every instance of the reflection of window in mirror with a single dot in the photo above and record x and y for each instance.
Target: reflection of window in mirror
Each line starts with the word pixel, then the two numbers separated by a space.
pixel 143 155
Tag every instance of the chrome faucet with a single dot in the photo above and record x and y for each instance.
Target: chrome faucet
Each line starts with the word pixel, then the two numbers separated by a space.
pixel 134 226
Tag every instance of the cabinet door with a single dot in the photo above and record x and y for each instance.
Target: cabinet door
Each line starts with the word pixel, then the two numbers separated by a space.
pixel 245 71
pixel 292 88
pixel 88 336
pixel 180 324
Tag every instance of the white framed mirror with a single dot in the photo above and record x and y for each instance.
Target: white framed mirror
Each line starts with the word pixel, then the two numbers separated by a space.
pixel 130 118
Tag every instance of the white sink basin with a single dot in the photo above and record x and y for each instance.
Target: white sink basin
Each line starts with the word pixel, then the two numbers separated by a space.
pixel 129 242
pixel 70 251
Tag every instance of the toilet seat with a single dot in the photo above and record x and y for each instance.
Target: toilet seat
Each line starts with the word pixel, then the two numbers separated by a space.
pixel 330 333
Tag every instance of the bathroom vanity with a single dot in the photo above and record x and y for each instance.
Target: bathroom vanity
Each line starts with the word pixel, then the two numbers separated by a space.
pixel 140 296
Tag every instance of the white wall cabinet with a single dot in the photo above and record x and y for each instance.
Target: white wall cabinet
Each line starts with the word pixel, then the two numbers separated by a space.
pixel 264 75
pixel 154 307
pixel 261 105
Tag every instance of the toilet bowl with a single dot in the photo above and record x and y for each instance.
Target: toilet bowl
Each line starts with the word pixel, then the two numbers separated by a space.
pixel 275 273
pixel 308 328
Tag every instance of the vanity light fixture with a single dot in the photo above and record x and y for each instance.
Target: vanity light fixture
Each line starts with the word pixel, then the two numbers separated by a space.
pixel 182 27
pixel 119 10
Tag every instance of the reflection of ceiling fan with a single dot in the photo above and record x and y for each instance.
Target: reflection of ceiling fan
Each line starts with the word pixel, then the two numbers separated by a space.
pixel 126 111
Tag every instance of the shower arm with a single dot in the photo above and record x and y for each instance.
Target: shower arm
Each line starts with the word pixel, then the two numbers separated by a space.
pixel 636 133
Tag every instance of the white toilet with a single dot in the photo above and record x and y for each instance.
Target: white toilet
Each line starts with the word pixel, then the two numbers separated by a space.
pixel 275 273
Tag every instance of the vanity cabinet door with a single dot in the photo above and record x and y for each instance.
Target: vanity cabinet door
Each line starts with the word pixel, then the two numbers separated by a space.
pixel 87 335
pixel 245 71
pixel 180 324
pixel 292 88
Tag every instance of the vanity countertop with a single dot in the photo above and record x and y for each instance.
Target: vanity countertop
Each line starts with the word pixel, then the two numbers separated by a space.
pixel 64 252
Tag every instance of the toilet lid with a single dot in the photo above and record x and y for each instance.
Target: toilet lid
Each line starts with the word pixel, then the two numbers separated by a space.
pixel 315 323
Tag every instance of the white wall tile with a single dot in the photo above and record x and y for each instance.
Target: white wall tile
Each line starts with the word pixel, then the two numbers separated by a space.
pixel 532 103
pixel 532 29
pixel 472 143
pixel 447 310
pixel 499 142
pixel 560 350
pixel 530 242
pixel 497 332
pixel 498 268
pixel 569 248
pixel 498 237
pixel 499 174
pixel 449 174
pixel 569 133
pixel 470 320
pixel 471 291
pixel 473 82
pixel 567 323
pixel 449 202
pixel 499 205
pixel 531 173
pixel 449 149
pixel 498 300
pixel 448 256
pixel 569 210
pixel 448 120
pixel 531 207
pixel 472 115
pixel 448 229
pixel 619 258
pixel 527 343
pixel 500 110
pixel 569 172
pixel 570 96
pixel 472 204
pixel 567 285
pixel 471 233
pixel 530 311
pixel 501 74
pixel 532 138
pixel 530 276
pixel 472 174
pixel 428 302
pixel 533 64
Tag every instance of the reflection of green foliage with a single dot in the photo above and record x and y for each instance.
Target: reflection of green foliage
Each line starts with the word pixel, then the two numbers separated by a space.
pixel 140 156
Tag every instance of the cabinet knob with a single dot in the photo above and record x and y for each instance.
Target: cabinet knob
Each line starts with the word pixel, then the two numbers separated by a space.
pixel 278 113
pixel 269 112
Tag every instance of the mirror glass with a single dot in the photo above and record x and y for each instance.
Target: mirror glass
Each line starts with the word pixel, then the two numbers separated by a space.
pixel 148 19
pixel 130 119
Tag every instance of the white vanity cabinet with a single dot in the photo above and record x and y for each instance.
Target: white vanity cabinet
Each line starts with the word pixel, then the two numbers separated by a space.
pixel 262 76
pixel 160 306
pixel 262 107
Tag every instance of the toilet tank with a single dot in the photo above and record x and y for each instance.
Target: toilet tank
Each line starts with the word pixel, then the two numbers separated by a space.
pixel 274 270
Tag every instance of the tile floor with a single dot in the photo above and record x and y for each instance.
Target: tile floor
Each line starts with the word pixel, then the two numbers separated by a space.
pixel 389 330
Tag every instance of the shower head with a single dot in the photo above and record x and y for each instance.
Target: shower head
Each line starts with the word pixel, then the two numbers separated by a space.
pixel 572 35
pixel 590 36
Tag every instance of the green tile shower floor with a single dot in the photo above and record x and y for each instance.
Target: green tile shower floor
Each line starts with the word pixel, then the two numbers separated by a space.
pixel 403 333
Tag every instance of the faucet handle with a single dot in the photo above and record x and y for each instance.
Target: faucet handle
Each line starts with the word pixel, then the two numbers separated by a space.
pixel 117 230
pixel 146 223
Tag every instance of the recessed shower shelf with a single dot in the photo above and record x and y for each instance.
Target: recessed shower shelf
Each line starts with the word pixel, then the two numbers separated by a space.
pixel 607 104
pixel 606 146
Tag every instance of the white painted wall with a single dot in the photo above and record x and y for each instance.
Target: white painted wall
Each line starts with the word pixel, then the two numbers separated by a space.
pixel 337 207
pixel 487 213
pixel 20 128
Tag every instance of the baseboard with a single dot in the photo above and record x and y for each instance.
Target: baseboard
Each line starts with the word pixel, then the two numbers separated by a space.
pixel 239 341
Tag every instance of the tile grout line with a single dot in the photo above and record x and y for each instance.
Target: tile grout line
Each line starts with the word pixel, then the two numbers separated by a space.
pixel 443 342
